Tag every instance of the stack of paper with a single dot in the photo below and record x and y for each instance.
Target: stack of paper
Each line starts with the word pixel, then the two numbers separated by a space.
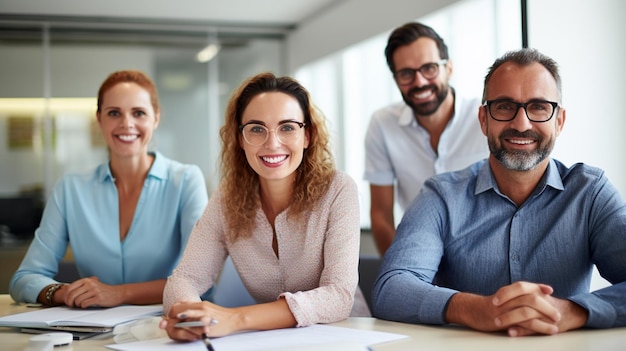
pixel 72 319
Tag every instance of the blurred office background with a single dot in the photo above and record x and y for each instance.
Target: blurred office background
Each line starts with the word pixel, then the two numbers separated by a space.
pixel 55 54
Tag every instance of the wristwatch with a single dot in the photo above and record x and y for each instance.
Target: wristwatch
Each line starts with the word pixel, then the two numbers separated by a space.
pixel 50 293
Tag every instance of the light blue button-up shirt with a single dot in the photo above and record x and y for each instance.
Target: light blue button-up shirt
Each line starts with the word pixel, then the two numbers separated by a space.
pixel 83 211
pixel 462 234
pixel 398 150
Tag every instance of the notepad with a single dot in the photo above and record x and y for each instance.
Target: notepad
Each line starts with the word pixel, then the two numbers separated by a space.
pixel 65 317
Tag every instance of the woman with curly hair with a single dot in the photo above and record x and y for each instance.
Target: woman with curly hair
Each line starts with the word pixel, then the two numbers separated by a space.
pixel 288 219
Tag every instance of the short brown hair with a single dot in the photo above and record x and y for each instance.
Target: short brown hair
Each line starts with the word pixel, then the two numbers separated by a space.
pixel 129 76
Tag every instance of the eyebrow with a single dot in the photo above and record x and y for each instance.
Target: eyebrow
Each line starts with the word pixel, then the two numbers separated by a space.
pixel 119 108
pixel 255 121
pixel 506 98
pixel 420 66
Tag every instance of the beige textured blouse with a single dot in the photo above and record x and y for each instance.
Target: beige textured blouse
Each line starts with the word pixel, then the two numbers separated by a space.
pixel 316 270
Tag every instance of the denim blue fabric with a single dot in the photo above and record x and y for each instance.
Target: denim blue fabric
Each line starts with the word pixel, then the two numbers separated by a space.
pixel 83 212
pixel 461 234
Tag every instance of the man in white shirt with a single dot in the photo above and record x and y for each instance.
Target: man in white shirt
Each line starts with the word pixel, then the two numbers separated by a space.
pixel 433 131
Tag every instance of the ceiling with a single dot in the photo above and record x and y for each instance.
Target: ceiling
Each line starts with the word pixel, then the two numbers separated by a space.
pixel 156 21
pixel 285 12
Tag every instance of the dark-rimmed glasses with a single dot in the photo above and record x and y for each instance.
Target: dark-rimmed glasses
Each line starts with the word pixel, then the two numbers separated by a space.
pixel 536 110
pixel 428 70
pixel 287 132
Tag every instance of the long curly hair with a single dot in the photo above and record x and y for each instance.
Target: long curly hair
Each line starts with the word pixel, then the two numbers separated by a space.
pixel 240 183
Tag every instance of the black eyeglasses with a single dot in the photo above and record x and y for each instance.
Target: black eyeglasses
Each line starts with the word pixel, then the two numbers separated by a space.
pixel 257 134
pixel 428 71
pixel 536 111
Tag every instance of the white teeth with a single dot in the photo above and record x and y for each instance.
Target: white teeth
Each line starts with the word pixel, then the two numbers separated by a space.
pixel 274 159
pixel 521 142
pixel 128 137
pixel 422 95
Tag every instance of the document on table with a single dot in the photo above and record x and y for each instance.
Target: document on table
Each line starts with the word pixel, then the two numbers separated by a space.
pixel 58 317
pixel 270 340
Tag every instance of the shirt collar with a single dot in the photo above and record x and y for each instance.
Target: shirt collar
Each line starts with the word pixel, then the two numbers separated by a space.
pixel 485 179
pixel 158 169
pixel 407 118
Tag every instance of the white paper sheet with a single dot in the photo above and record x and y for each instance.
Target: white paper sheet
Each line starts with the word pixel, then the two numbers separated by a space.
pixel 65 316
pixel 270 340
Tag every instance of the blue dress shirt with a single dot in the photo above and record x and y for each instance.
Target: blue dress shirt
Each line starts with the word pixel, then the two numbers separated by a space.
pixel 462 234
pixel 83 211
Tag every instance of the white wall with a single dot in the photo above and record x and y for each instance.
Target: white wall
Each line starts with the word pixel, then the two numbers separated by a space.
pixel 588 40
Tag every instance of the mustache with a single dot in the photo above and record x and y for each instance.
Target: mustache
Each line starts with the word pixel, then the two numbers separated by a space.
pixel 528 134
pixel 420 89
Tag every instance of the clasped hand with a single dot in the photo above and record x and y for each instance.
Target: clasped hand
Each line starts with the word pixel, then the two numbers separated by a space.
pixel 521 308
pixel 90 292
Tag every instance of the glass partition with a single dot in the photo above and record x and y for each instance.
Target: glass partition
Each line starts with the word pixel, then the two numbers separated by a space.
pixel 51 76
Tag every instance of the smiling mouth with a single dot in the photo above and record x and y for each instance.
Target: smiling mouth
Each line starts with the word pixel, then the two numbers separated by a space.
pixel 520 142
pixel 274 159
pixel 127 137
pixel 422 94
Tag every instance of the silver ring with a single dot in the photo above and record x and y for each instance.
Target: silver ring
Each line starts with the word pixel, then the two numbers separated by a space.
pixel 213 322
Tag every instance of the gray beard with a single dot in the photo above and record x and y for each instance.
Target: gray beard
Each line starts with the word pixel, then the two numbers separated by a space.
pixel 520 160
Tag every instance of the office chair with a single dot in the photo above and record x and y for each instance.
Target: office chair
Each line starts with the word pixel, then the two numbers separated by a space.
pixel 368 272
pixel 229 290
pixel 67 273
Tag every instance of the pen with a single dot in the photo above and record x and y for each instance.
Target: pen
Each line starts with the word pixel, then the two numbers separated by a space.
pixel 189 324
pixel 194 324
pixel 207 342
pixel 205 337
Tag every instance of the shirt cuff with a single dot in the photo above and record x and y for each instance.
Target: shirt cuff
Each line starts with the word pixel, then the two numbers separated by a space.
pixel 433 308
pixel 601 313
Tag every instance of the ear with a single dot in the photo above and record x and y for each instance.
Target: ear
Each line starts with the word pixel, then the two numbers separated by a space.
pixel 157 118
pixel 240 139
pixel 560 120
pixel 449 68
pixel 482 118
pixel 307 138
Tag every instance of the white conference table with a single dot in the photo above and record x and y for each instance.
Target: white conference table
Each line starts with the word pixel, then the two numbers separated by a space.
pixel 421 337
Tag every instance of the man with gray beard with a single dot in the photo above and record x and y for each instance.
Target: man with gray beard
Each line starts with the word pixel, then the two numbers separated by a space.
pixel 509 243
pixel 432 131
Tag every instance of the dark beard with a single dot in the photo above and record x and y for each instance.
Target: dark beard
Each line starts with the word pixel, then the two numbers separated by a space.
pixel 427 109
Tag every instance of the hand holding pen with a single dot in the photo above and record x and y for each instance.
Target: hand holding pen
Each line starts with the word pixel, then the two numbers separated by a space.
pixel 188 321
pixel 205 337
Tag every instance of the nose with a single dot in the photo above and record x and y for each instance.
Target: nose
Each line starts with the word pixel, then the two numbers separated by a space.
pixel 521 122
pixel 272 139
pixel 420 81
pixel 126 121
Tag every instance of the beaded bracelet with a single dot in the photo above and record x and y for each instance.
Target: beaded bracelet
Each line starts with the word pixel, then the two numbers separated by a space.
pixel 50 293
